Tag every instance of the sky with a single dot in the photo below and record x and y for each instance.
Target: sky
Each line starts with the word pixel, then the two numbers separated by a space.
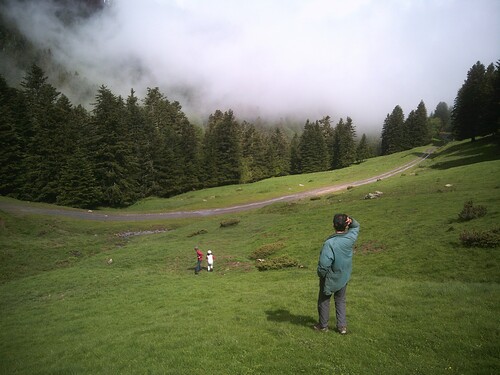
pixel 277 58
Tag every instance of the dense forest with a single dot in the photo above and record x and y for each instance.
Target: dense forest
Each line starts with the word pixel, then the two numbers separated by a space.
pixel 120 150
pixel 126 149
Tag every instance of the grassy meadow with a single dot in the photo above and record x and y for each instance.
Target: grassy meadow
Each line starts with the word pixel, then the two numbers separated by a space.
pixel 418 302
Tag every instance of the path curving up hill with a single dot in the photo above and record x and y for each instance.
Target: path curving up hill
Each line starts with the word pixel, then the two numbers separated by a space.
pixel 98 216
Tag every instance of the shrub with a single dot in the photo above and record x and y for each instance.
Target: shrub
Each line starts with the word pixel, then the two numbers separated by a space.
pixel 229 222
pixel 266 250
pixel 470 211
pixel 277 263
pixel 201 231
pixel 487 238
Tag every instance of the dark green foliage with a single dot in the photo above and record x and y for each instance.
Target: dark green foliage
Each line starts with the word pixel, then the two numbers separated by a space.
pixel 44 157
pixel 229 223
pixel 277 263
pixel 344 147
pixel 485 238
pixel 112 154
pixel 312 149
pixel 266 250
pixel 443 113
pixel 470 211
pixel 278 154
pixel 125 150
pixel 222 150
pixel 254 163
pixel 295 160
pixel 78 186
pixel 10 143
pixel 476 109
pixel 392 132
pixel 363 151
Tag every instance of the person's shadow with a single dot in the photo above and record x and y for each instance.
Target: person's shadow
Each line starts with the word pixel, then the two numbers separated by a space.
pixel 282 315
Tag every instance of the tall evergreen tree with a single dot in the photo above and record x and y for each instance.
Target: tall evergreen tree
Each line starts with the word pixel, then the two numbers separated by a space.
pixel 295 161
pixel 165 168
pixel 112 152
pixel 312 148
pixel 471 116
pixel 443 113
pixel 362 150
pixel 420 131
pixel 344 146
pixel 278 153
pixel 43 159
pixel 227 135
pixel 11 156
pixel 329 136
pixel 392 132
pixel 79 187
pixel 253 151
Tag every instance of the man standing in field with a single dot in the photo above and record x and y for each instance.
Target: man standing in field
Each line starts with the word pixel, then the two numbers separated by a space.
pixel 334 271
pixel 199 258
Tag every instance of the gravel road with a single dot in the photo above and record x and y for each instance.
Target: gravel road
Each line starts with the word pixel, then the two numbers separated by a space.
pixel 99 216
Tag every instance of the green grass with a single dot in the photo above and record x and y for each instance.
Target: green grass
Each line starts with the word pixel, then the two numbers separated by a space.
pixel 418 302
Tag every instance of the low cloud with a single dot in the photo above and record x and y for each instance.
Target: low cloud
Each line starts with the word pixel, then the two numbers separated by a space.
pixel 275 58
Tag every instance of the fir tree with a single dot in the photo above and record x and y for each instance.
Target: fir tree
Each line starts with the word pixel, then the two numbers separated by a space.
pixel 344 147
pixel 10 143
pixel 392 132
pixel 312 149
pixel 295 161
pixel 471 116
pixel 362 150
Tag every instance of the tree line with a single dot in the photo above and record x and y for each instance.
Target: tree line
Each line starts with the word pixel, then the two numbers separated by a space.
pixel 126 149
pixel 475 113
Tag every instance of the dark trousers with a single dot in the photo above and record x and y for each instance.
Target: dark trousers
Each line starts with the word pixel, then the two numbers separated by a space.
pixel 198 267
pixel 324 306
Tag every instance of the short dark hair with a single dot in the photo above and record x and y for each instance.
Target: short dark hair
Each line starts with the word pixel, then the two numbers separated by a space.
pixel 340 222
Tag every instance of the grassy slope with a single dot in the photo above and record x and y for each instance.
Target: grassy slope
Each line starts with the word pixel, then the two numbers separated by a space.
pixel 418 303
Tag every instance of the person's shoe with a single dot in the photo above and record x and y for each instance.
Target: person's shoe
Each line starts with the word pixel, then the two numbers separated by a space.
pixel 317 327
pixel 342 330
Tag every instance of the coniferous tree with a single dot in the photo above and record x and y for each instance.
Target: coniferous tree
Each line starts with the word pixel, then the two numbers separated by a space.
pixel 79 187
pixel 443 113
pixel 43 161
pixel 362 150
pixel 471 116
pixel 295 161
pixel 420 130
pixel 392 132
pixel 278 154
pixel 329 136
pixel 165 168
pixel 112 153
pixel 10 143
pixel 228 149
pixel 344 147
pixel 312 148
pixel 253 154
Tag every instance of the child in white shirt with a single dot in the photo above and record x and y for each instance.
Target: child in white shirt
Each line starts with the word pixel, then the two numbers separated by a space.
pixel 210 261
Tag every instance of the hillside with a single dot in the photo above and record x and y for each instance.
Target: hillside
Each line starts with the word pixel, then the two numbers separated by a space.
pixel 419 301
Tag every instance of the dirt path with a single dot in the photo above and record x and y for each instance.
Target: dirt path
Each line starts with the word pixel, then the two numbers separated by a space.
pixel 97 216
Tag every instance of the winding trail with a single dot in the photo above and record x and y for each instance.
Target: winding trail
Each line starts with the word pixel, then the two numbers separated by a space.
pixel 97 216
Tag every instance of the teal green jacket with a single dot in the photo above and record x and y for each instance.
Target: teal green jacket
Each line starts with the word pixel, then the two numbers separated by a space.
pixel 335 259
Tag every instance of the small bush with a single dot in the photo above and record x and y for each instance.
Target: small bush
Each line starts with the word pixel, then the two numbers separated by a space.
pixel 201 231
pixel 470 211
pixel 487 238
pixel 277 263
pixel 315 198
pixel 229 223
pixel 266 250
